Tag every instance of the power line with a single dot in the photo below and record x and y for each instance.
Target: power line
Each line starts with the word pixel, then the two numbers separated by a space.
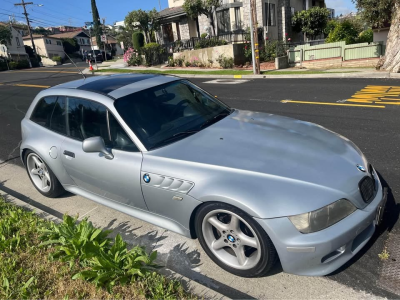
pixel 23 4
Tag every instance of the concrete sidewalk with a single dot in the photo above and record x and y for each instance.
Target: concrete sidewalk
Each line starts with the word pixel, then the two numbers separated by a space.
pixel 179 254
pixel 327 73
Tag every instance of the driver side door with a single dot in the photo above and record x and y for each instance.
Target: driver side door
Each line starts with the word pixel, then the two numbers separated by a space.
pixel 116 179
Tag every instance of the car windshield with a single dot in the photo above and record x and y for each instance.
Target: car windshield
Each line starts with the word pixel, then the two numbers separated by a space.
pixel 167 113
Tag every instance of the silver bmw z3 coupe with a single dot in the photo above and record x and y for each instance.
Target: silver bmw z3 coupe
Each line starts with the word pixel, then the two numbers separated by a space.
pixel 252 187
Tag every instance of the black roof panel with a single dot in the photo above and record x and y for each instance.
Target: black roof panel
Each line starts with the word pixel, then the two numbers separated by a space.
pixel 111 83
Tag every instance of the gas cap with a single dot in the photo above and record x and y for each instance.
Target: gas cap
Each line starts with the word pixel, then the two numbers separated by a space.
pixel 53 152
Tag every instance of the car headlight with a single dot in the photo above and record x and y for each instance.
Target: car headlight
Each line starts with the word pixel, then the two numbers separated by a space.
pixel 324 217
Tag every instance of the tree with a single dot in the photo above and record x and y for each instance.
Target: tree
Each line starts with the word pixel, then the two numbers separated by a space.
pixel 125 37
pixel 5 35
pixel 311 22
pixel 97 31
pixel 29 50
pixel 137 40
pixel 195 8
pixel 70 45
pixel 378 13
pixel 146 21
pixel 344 31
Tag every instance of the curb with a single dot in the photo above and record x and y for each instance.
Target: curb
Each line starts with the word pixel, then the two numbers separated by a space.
pixel 377 75
pixel 188 284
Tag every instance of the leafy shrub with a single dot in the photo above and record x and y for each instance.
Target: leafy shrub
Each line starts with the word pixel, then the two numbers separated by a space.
pixel 345 31
pixel 21 64
pixel 207 43
pixel 187 64
pixel 225 62
pixel 203 35
pixel 367 36
pixel 137 40
pixel 152 53
pixel 56 58
pixel 171 62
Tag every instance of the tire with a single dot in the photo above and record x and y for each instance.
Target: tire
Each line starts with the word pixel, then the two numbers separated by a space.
pixel 242 247
pixel 39 172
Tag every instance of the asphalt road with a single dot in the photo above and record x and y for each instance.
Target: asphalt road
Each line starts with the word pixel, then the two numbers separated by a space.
pixel 374 127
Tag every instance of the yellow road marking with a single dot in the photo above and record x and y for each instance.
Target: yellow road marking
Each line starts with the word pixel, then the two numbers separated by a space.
pixel 32 85
pixel 374 94
pixel 391 103
pixel 237 76
pixel 335 104
pixel 65 72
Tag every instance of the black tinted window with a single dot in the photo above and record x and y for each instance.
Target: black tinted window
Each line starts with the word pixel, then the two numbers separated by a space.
pixel 43 111
pixel 120 140
pixel 58 119
pixel 87 119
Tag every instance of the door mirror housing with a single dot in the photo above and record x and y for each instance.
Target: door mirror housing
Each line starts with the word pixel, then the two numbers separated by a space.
pixel 96 144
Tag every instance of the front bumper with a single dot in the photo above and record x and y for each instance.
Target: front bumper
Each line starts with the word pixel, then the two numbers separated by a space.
pixel 320 253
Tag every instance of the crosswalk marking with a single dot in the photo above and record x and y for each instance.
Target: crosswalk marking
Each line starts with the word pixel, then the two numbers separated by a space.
pixel 377 94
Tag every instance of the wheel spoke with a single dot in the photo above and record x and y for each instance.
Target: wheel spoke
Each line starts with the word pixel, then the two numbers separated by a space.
pixel 235 224
pixel 217 224
pixel 248 241
pixel 37 162
pixel 239 251
pixel 47 175
pixel 218 244
pixel 35 171
pixel 44 182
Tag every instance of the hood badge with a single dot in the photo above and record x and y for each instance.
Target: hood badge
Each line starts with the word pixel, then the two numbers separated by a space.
pixel 361 168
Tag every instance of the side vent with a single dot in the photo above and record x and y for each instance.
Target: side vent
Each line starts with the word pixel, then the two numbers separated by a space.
pixel 168 183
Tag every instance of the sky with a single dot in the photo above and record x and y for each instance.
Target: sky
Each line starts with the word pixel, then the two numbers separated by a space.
pixel 76 12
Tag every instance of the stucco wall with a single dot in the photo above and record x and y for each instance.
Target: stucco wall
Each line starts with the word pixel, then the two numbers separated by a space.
pixel 204 55
pixel 381 36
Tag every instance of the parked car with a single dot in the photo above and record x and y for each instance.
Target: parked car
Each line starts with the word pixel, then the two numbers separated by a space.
pixel 250 186
pixel 97 53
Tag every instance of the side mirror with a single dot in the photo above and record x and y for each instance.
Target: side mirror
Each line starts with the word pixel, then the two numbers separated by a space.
pixel 96 144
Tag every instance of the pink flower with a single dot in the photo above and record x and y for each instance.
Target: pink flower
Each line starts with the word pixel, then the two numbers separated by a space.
pixel 289 39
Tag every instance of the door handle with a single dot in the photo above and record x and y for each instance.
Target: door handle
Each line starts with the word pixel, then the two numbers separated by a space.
pixel 69 153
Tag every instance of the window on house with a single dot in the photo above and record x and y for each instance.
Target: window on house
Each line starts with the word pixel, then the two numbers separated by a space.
pixel 238 18
pixel 48 41
pixel 292 11
pixel 270 14
pixel 18 43
pixel 58 43
pixel 223 20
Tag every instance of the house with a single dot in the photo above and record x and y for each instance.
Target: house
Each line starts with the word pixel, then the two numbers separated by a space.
pixel 46 45
pixel 381 34
pixel 14 50
pixel 233 16
pixel 80 36
pixel 111 44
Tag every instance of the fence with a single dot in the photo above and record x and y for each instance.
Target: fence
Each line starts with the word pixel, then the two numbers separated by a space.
pixel 335 50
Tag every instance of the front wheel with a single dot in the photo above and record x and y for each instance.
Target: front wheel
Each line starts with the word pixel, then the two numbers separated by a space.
pixel 234 240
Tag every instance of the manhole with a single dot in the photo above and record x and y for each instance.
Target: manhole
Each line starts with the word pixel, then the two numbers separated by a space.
pixel 389 278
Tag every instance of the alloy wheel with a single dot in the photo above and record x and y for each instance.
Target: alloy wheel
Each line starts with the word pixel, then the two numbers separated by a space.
pixel 38 172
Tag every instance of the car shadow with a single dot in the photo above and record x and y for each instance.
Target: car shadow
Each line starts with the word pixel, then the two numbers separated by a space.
pixel 390 218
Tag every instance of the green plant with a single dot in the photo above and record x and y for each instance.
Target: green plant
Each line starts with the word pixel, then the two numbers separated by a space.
pixel 152 53
pixel 56 58
pixel 179 61
pixel 384 255
pixel 70 45
pixel 187 64
pixel 137 40
pixel 171 62
pixel 225 62
pixel 195 8
pixel 135 60
pixel 147 22
pixel 311 22
pixel 207 43
pixel 345 31
pixel 203 35
pixel 366 36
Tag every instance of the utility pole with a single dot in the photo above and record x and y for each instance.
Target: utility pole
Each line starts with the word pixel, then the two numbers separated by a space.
pixel 254 37
pixel 23 4
pixel 105 42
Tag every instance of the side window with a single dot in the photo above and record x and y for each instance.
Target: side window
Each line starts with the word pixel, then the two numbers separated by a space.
pixel 87 119
pixel 119 139
pixel 58 118
pixel 43 110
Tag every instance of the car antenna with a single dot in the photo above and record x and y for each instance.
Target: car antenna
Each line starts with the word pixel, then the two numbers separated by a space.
pixel 75 65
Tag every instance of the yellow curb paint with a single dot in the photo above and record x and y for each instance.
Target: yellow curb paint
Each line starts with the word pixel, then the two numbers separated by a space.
pixel 32 85
pixel 237 76
pixel 335 104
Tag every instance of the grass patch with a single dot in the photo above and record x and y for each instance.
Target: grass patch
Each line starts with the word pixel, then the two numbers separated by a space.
pixel 41 259
pixel 218 72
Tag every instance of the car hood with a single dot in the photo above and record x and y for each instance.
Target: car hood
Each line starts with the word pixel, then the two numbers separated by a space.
pixel 277 146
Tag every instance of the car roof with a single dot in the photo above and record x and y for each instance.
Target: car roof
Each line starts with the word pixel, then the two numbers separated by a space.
pixel 117 86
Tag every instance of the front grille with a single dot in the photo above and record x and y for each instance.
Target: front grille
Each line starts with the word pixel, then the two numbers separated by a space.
pixel 367 188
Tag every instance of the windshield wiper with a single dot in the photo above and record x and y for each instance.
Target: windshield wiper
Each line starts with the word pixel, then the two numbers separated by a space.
pixel 215 119
pixel 163 142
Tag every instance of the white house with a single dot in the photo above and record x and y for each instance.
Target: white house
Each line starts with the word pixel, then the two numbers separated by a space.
pixel 46 45
pixel 80 36
pixel 14 50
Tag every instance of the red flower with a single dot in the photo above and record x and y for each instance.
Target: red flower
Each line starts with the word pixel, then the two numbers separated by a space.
pixel 266 38
pixel 286 34
pixel 245 47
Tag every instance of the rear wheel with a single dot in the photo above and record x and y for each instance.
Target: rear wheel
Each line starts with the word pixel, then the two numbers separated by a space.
pixel 41 175
pixel 234 241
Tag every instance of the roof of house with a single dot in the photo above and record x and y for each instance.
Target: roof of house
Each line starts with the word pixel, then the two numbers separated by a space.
pixel 110 40
pixel 70 35
pixel 172 12
pixel 38 36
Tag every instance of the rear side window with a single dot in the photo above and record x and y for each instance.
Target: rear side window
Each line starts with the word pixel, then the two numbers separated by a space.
pixel 58 119
pixel 43 111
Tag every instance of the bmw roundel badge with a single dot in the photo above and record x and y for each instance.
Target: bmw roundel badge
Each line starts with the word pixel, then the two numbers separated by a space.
pixel 361 168
pixel 146 178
